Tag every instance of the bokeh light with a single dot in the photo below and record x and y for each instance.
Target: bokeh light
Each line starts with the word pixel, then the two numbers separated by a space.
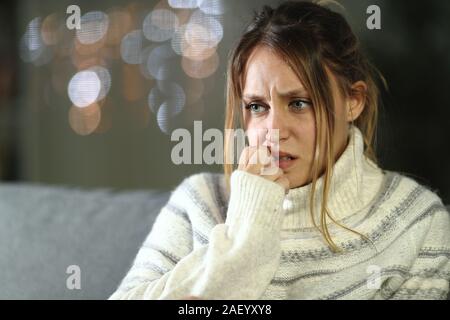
pixel 169 48
pixel 51 32
pixel 213 33
pixel 178 41
pixel 214 7
pixel 105 81
pixel 183 4
pixel 84 88
pixel 200 69
pixel 131 47
pixel 94 25
pixel 175 94
pixel 82 62
pixel 166 100
pixel 159 25
pixel 84 121
pixel 160 62
pixel 144 70
pixel 167 92
pixel 32 38
pixel 31 44
pixel 155 99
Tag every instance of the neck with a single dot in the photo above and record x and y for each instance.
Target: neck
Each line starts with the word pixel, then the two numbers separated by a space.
pixel 354 183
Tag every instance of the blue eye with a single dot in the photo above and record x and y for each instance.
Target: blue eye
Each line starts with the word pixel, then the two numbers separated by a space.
pixel 300 104
pixel 255 108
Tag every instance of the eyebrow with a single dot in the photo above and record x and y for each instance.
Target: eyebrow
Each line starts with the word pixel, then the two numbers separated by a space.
pixel 288 94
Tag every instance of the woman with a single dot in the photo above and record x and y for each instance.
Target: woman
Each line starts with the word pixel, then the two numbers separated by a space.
pixel 328 223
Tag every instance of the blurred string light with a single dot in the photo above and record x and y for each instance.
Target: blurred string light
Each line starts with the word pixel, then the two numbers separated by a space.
pixel 51 29
pixel 166 101
pixel 214 7
pixel 89 86
pixel 82 62
pixel 200 68
pixel 167 92
pixel 32 48
pixel 173 47
pixel 159 25
pixel 105 81
pixel 160 62
pixel 32 38
pixel 84 88
pixel 144 70
pixel 212 32
pixel 183 4
pixel 94 26
pixel 131 47
pixel 195 41
pixel 85 121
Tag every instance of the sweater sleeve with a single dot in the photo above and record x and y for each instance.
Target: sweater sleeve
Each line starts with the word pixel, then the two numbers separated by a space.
pixel 430 273
pixel 238 262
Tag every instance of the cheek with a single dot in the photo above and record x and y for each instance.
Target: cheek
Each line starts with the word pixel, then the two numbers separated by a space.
pixel 306 137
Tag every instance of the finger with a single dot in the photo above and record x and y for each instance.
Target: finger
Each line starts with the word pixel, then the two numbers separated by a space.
pixel 264 156
pixel 271 170
pixel 244 157
pixel 284 182
pixel 260 155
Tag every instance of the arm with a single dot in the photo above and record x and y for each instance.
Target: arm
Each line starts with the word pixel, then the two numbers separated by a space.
pixel 430 272
pixel 238 262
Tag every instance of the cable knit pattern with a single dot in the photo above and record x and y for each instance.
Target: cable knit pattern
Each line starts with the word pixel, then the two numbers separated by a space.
pixel 258 243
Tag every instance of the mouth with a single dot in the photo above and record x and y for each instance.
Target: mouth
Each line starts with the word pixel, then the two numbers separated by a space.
pixel 284 159
pixel 282 155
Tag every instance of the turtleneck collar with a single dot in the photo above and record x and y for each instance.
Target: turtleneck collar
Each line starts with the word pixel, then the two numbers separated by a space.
pixel 355 182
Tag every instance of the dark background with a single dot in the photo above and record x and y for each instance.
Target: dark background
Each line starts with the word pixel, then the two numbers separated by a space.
pixel 412 50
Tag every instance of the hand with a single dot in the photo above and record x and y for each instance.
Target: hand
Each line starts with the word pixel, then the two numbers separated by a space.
pixel 256 160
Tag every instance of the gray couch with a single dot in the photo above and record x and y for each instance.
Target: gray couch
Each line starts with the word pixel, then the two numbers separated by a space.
pixel 45 229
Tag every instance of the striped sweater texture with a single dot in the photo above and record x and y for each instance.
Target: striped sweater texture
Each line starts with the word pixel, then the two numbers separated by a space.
pixel 256 242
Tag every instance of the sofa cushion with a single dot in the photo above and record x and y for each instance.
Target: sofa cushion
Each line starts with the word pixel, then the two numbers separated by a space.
pixel 46 229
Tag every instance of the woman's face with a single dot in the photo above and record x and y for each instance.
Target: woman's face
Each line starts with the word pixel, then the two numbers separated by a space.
pixel 274 98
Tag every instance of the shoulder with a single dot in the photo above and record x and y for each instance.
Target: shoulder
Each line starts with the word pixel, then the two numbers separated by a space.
pixel 205 191
pixel 205 183
pixel 405 197
pixel 204 180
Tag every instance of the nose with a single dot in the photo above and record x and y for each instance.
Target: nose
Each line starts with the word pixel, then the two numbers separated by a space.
pixel 277 126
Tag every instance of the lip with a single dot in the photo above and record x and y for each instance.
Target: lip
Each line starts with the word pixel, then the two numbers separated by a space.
pixel 285 164
pixel 285 154
pixel 282 153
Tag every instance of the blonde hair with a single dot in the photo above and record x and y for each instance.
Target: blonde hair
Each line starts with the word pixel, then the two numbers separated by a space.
pixel 312 40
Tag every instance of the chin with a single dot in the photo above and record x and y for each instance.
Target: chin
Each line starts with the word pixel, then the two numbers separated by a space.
pixel 296 182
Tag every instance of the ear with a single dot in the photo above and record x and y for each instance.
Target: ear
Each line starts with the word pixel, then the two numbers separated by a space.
pixel 357 100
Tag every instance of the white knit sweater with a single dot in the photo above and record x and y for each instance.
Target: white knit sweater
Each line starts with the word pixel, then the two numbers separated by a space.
pixel 258 243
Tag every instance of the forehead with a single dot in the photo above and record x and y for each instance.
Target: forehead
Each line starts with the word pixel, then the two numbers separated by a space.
pixel 267 71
